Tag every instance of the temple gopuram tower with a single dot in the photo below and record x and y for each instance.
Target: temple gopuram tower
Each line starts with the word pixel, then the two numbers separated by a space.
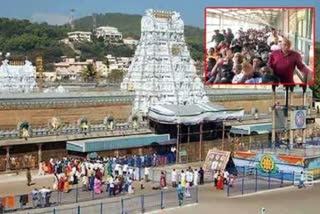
pixel 162 72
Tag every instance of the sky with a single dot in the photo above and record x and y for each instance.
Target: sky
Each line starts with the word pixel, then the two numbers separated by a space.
pixel 192 11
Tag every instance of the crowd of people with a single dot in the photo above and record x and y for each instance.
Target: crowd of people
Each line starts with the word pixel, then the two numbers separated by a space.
pixel 113 176
pixel 91 175
pixel 252 56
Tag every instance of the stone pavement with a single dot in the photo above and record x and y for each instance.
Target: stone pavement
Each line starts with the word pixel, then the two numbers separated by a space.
pixel 290 200
pixel 282 201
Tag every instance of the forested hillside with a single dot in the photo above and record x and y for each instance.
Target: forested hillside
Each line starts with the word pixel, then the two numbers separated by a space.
pixel 130 26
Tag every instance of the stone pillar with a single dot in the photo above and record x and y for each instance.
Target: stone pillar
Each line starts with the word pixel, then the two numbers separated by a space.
pixel 39 153
pixel 178 149
pixel 188 135
pixel 200 142
pixel 304 103
pixel 7 158
pixel 290 111
pixel 223 135
pixel 273 135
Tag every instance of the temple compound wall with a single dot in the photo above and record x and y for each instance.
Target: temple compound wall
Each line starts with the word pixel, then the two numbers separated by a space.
pixel 69 110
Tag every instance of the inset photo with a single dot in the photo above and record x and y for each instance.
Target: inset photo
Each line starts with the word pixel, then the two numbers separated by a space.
pixel 260 46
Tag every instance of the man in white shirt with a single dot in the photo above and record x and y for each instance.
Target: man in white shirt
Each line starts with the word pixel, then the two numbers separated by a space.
pixel 111 186
pixel 116 169
pixel 146 174
pixel 195 177
pixel 125 169
pixel 215 177
pixel 189 177
pixel 43 195
pixel 130 173
pixel 225 177
pixel 174 178
pixel 120 170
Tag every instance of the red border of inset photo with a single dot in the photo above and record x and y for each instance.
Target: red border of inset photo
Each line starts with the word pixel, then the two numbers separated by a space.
pixel 284 7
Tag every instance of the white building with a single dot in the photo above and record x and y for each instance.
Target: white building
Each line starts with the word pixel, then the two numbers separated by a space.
pixel 108 33
pixel 118 63
pixel 130 41
pixel 79 36
pixel 71 69
pixel 17 77
pixel 162 72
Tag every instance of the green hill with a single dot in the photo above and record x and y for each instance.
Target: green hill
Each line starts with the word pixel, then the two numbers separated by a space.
pixel 25 39
pixel 130 25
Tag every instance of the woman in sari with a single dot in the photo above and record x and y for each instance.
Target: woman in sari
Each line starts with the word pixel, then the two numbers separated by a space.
pixel 66 185
pixel 220 181
pixel 61 184
pixel 97 185
pixel 163 182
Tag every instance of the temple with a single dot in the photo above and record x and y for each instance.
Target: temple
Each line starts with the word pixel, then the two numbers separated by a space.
pixel 15 78
pixel 162 72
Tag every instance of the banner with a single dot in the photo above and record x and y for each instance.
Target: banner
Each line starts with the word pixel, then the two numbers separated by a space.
pixel 216 160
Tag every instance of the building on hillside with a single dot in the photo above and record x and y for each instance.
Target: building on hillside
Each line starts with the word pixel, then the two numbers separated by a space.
pixel 130 41
pixel 109 34
pixel 118 63
pixel 79 36
pixel 71 69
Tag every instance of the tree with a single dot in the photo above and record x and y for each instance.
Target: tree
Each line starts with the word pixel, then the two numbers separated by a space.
pixel 89 73
pixel 115 75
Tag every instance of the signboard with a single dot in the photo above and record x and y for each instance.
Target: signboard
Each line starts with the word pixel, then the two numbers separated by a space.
pixel 216 160
pixel 298 119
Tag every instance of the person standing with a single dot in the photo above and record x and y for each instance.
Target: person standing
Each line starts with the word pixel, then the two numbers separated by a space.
pixel 301 182
pixel 195 177
pixel 163 182
pixel 220 181
pixel 146 174
pixel 35 197
pixel 201 173
pixel 174 178
pixel 183 179
pixel 180 191
pixel 189 177
pixel 29 178
pixel 284 62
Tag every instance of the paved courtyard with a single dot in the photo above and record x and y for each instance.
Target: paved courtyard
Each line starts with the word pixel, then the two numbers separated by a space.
pixel 289 200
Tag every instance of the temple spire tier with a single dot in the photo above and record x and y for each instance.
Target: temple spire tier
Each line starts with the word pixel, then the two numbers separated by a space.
pixel 162 71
